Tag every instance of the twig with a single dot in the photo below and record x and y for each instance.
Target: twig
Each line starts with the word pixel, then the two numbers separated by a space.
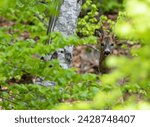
pixel 41 19
pixel 90 46
pixel 51 25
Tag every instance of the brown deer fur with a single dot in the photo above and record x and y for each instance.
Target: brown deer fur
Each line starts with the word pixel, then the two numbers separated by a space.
pixel 106 42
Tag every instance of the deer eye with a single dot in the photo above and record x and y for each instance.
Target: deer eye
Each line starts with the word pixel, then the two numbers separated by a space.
pixel 112 44
pixel 102 44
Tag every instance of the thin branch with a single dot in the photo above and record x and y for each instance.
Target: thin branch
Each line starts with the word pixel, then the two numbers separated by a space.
pixel 90 46
pixel 52 20
pixel 41 19
pixel 51 25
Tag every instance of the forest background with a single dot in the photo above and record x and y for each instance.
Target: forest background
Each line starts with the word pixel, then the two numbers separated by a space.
pixel 22 44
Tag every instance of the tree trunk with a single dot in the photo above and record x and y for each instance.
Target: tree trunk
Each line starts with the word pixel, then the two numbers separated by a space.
pixel 66 24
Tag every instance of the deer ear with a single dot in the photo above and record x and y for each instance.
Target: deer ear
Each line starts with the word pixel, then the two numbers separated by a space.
pixel 101 30
pixel 114 37
pixel 116 40
pixel 98 33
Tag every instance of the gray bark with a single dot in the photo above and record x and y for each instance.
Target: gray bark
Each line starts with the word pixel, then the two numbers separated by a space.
pixel 66 24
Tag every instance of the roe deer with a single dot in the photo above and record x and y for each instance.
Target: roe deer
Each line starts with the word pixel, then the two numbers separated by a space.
pixel 107 43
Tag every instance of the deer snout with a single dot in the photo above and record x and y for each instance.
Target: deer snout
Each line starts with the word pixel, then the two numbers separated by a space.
pixel 107 52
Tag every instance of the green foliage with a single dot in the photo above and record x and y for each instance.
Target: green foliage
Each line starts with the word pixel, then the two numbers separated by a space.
pixel 20 62
pixel 7 3
pixel 93 19
pixel 103 100
pixel 88 23
pixel 20 58
pixel 134 93
pixel 136 70
pixel 109 5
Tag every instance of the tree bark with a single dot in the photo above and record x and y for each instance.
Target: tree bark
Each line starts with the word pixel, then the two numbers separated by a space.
pixel 66 24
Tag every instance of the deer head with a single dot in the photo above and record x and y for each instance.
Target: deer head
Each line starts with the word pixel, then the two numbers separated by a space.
pixel 106 41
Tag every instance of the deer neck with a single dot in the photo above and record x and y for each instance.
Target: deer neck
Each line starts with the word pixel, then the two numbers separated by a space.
pixel 102 65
